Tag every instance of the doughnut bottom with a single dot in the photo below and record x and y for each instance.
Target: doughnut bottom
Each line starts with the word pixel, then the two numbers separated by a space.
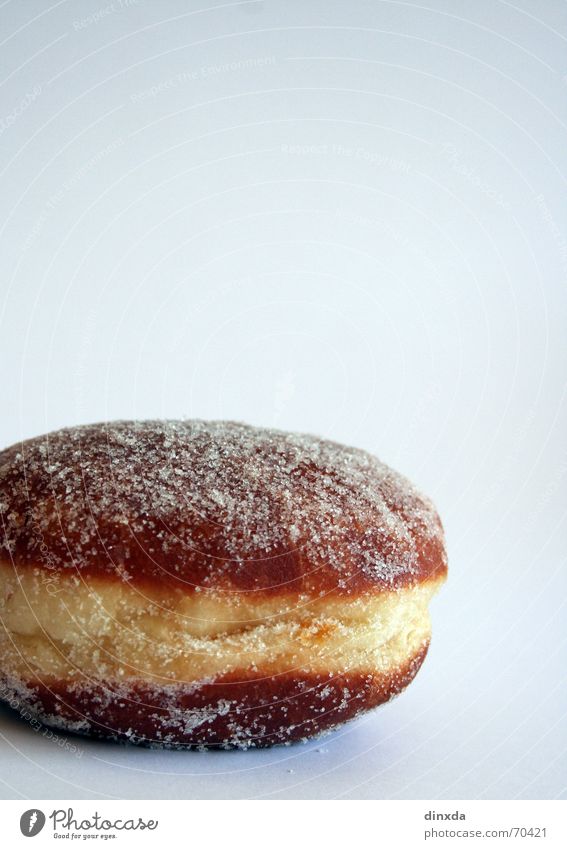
pixel 234 712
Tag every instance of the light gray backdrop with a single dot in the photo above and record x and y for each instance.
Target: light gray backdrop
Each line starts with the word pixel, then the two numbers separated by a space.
pixel 343 218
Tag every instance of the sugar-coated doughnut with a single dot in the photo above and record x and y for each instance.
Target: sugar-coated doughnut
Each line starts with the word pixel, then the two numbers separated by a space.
pixel 193 583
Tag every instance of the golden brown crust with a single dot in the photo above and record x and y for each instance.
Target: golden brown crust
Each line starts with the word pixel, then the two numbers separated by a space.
pixel 239 710
pixel 215 505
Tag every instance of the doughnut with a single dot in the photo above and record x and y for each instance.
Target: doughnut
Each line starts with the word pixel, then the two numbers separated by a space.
pixel 196 584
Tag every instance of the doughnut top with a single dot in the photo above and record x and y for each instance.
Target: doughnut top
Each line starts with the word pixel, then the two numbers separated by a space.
pixel 215 505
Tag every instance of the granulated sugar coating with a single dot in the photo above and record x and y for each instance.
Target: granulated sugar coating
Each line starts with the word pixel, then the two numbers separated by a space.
pixel 215 505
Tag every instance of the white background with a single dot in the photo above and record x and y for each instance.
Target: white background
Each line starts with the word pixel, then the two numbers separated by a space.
pixel 342 218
